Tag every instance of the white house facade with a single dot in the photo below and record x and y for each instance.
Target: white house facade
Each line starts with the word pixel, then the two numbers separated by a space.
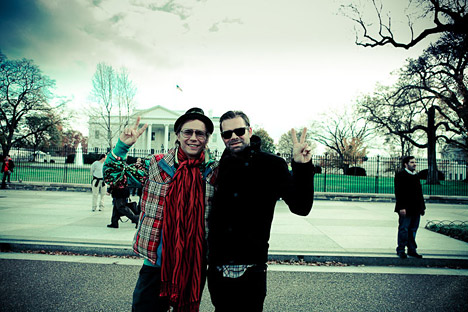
pixel 158 137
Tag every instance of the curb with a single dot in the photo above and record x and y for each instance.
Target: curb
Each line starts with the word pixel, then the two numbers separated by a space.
pixel 96 249
pixel 362 197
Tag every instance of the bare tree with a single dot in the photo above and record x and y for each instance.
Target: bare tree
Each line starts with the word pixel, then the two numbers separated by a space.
pixel 440 73
pixel 103 91
pixel 44 130
pixel 114 93
pixel 407 115
pixel 343 134
pixel 125 92
pixel 24 90
pixel 448 16
pixel 389 118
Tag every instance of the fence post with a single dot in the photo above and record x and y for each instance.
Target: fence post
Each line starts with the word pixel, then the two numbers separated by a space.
pixel 65 172
pixel 377 176
pixel 325 175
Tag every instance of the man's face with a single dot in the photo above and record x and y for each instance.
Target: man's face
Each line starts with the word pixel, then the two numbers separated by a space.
pixel 411 165
pixel 236 143
pixel 193 138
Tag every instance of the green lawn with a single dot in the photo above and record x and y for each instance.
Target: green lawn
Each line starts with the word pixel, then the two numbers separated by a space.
pixel 70 173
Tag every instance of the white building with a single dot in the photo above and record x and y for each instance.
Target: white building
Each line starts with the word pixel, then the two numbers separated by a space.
pixel 158 137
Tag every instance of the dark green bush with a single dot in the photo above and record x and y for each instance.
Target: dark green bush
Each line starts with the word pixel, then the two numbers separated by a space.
pixel 454 229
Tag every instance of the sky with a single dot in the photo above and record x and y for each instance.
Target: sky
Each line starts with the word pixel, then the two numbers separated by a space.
pixel 283 62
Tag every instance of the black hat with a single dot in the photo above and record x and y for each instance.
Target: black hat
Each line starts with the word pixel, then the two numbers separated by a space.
pixel 192 114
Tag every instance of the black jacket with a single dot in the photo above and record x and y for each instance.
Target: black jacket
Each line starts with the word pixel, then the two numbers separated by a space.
pixel 248 187
pixel 408 193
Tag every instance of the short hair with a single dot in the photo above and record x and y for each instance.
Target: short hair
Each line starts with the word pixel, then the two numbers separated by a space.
pixel 232 115
pixel 102 156
pixel 406 160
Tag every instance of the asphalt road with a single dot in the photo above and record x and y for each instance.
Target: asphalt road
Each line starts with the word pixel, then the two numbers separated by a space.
pixel 36 285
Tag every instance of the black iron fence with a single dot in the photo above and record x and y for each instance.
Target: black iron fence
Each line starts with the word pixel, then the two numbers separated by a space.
pixel 362 175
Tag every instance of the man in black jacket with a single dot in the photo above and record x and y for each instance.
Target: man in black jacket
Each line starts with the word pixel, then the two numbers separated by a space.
pixel 248 186
pixel 410 207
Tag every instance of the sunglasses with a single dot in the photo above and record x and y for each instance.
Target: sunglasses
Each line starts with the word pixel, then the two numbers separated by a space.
pixel 187 133
pixel 228 134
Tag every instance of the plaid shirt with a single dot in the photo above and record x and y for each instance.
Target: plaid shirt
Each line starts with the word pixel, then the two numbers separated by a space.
pixel 161 169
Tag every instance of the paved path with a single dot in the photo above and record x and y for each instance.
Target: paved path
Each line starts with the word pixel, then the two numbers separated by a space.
pixel 334 230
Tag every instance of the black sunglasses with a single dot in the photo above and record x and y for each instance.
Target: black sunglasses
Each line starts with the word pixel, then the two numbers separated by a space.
pixel 228 134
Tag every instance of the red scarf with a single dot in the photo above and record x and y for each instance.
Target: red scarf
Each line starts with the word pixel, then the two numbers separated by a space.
pixel 183 236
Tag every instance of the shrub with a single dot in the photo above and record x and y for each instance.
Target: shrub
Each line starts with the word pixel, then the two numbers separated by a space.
pixel 454 229
pixel 356 171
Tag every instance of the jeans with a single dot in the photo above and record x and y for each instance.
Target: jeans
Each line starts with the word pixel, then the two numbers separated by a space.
pixel 245 293
pixel 146 294
pixel 407 228
pixel 6 176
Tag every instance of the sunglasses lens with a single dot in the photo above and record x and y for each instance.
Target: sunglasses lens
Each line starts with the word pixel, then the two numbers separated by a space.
pixel 228 134
pixel 239 131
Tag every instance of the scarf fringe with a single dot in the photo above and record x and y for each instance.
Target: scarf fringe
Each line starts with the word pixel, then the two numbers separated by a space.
pixel 169 288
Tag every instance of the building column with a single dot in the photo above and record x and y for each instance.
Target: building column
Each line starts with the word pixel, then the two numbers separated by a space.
pixel 166 138
pixel 149 131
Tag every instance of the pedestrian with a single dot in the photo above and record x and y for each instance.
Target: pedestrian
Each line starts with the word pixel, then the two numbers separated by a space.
pixel 7 169
pixel 120 194
pixel 177 195
pixel 410 207
pixel 98 186
pixel 248 185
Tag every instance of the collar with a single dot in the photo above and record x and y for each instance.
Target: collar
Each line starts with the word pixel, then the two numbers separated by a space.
pixel 410 172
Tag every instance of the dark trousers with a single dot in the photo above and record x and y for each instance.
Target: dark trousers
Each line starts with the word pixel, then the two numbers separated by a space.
pixel 119 209
pixel 245 293
pixel 6 176
pixel 407 228
pixel 146 294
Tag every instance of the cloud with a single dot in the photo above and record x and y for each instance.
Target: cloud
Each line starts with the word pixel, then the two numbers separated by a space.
pixel 167 6
pixel 215 26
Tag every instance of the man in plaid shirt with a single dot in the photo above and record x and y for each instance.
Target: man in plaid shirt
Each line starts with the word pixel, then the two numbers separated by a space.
pixel 176 199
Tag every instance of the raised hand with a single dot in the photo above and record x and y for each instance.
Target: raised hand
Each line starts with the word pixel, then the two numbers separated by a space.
pixel 131 134
pixel 301 150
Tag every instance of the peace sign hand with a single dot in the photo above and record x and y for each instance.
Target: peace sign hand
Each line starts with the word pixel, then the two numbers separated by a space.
pixel 301 150
pixel 131 134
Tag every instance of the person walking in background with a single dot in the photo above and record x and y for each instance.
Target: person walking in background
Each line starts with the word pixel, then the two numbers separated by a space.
pixel 98 186
pixel 177 195
pixel 410 207
pixel 248 186
pixel 7 169
pixel 120 194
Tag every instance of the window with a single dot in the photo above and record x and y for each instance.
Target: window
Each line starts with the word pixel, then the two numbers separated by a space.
pixel 96 134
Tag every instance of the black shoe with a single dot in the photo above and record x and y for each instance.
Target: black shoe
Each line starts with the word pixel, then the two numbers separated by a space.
pixel 115 226
pixel 402 255
pixel 414 254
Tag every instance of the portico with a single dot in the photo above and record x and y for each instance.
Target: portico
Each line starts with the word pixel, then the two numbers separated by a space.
pixel 158 137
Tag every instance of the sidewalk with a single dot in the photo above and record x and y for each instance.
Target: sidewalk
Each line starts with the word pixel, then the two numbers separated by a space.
pixel 352 232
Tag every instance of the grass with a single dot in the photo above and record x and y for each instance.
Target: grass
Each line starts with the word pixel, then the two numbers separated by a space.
pixel 70 173
pixel 382 185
